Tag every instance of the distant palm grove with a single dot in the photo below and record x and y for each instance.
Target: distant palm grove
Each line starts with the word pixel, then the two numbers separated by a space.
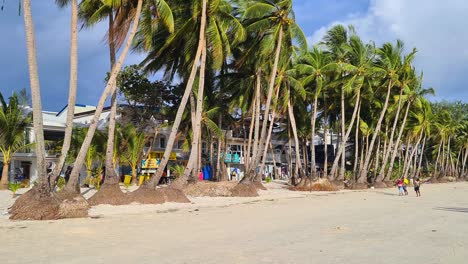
pixel 246 65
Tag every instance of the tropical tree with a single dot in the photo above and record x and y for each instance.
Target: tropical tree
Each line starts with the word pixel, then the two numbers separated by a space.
pixel 14 123
pixel 72 185
pixel 133 150
pixel 72 87
pixel 274 21
pixel 389 61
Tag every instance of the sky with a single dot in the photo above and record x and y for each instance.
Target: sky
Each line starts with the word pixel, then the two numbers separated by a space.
pixel 436 28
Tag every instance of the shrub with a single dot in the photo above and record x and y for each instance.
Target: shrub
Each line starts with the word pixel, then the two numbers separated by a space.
pixel 60 183
pixel 14 187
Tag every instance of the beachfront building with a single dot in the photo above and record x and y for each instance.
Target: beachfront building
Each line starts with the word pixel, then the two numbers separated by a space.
pixel 279 160
pixel 23 167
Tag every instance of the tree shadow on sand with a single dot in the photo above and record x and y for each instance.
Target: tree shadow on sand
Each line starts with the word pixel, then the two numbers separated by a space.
pixel 453 209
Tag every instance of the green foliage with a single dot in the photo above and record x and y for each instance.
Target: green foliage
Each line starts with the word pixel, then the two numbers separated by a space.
pixel 14 187
pixel 177 170
pixel 268 179
pixel 60 183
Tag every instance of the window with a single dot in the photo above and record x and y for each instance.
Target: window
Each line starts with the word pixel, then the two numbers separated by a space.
pixel 180 144
pixel 162 142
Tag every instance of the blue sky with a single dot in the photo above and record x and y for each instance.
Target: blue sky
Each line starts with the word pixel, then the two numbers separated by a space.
pixel 436 28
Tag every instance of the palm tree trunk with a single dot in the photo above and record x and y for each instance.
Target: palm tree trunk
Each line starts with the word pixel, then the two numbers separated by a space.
pixel 193 166
pixel 265 148
pixel 356 142
pixel 465 158
pixel 4 181
pixel 313 170
pixel 415 148
pixel 251 175
pixel 36 97
pixel 111 177
pixel 175 126
pixel 292 120
pixel 342 149
pixel 436 169
pixel 376 164
pixel 219 170
pixel 363 174
pixel 252 124
pixel 420 157
pixel 72 185
pixel 390 142
pixel 397 142
pixel 325 147
pixel 343 137
pixel 71 93
pixel 257 125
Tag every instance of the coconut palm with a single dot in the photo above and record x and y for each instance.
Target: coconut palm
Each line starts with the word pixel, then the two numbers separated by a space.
pixel 389 61
pixel 314 67
pixel 274 21
pixel 13 125
pixel 72 86
pixel 36 98
pixel 120 14
pixel 72 185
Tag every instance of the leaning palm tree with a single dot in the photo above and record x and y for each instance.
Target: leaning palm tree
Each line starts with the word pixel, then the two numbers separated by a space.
pixel 201 48
pixel 13 124
pixel 389 61
pixel 72 185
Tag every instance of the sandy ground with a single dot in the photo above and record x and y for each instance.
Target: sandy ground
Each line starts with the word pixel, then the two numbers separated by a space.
pixel 373 226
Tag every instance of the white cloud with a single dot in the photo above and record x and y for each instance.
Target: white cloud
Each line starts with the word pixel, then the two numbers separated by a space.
pixel 436 28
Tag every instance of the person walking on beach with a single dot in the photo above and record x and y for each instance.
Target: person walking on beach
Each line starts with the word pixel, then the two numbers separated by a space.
pixel 400 187
pixel 417 185
pixel 405 185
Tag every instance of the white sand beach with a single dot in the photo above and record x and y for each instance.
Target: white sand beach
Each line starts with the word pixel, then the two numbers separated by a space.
pixel 280 226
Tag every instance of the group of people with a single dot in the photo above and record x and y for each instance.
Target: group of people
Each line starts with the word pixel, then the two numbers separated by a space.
pixel 402 185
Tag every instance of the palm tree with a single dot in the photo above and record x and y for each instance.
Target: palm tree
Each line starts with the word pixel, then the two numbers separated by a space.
pixel 314 66
pixel 389 61
pixel 36 98
pixel 72 185
pixel 120 13
pixel 13 126
pixel 72 89
pixel 360 71
pixel 275 21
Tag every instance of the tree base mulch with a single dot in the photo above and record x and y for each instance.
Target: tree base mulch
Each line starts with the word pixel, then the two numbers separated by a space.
pixel 172 195
pixel 36 204
pixel 320 185
pixel 389 184
pixel 72 205
pixel 359 186
pixel 244 190
pixel 305 185
pixel 434 180
pixel 324 185
pixel 146 195
pixel 210 189
pixel 443 180
pixel 380 185
pixel 109 194
pixel 259 185
pixel 340 184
